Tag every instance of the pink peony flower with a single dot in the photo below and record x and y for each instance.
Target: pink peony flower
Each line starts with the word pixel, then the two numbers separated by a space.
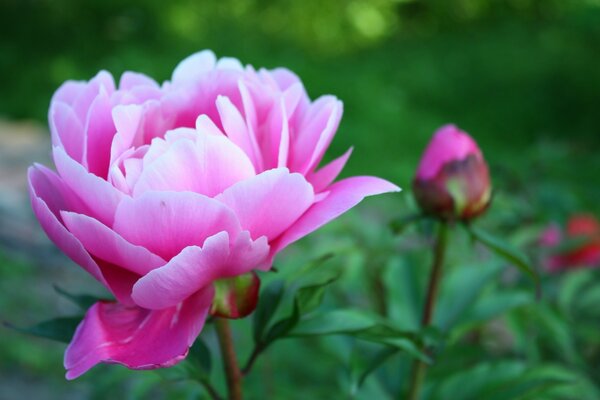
pixel 452 180
pixel 163 190
pixel 578 246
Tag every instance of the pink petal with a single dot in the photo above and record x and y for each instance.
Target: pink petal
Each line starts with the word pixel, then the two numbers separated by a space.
pixel 130 80
pixel 235 127
pixel 207 166
pixel 327 174
pixel 448 144
pixel 49 195
pixel 135 337
pixel 343 195
pixel 104 243
pixel 119 280
pixel 102 80
pixel 205 125
pixel 269 203
pixel 167 222
pixel 315 132
pixel 194 66
pixel 100 196
pixel 127 120
pixel 68 92
pixel 66 129
pixel 195 268
pixel 99 131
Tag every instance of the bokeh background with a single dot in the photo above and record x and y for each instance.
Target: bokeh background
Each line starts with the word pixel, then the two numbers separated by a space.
pixel 522 76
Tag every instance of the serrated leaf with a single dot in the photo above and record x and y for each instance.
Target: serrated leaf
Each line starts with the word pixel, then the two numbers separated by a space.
pixel 60 329
pixel 269 301
pixel 506 251
pixel 83 301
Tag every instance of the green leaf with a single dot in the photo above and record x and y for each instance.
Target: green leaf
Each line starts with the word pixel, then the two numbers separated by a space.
pixel 200 357
pixel 362 326
pixel 399 224
pixel 310 297
pixel 362 371
pixel 60 329
pixel 269 301
pixel 83 301
pixel 506 251
pixel 283 326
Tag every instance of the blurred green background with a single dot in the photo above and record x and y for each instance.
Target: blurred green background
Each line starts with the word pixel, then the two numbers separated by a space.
pixel 521 76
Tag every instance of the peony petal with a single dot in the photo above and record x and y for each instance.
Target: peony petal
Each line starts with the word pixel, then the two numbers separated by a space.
pixel 49 195
pixel 99 133
pixel 66 129
pixel 136 337
pixel 327 174
pixel 269 203
pixel 205 125
pixel 104 243
pixel 229 63
pixel 195 268
pixel 167 222
pixel 194 66
pixel 102 81
pixel 130 80
pixel 343 195
pixel 315 132
pixel 235 127
pixel 207 166
pixel 100 196
pixel 127 120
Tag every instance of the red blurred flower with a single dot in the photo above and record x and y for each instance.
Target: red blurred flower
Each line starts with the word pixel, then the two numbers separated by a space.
pixel 578 246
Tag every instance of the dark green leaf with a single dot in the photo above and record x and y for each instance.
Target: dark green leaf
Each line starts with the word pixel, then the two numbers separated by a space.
pixel 268 302
pixel 506 251
pixel 283 326
pixel 200 357
pixel 361 372
pixel 59 329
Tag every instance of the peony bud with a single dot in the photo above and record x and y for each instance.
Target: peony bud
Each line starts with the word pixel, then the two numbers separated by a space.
pixel 236 297
pixel 452 180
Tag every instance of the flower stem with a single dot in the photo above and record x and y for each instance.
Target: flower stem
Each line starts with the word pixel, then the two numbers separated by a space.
pixel 439 250
pixel 232 370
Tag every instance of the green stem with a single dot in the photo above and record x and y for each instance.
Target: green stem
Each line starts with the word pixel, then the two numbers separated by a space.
pixel 232 370
pixel 439 250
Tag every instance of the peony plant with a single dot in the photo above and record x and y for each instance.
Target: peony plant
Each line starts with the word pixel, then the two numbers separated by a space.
pixel 173 195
